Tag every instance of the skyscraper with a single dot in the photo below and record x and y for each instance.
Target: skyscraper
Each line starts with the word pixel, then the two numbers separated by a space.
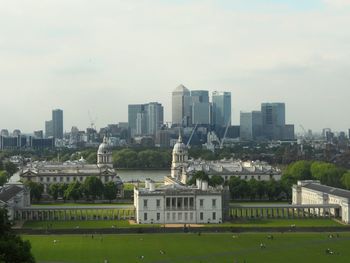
pixel 48 129
pixel 181 106
pixel 274 122
pixel 133 111
pixel 57 123
pixel 250 125
pixel 145 119
pixel 221 108
pixel 200 107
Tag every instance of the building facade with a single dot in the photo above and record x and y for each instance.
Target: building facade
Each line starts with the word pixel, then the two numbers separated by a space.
pixel 48 173
pixel 221 108
pixel 57 123
pixel 250 125
pixel 13 197
pixel 312 192
pixel 177 203
pixel 181 106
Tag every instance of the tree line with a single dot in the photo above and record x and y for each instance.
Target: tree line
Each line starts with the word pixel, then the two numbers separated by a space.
pixel 91 189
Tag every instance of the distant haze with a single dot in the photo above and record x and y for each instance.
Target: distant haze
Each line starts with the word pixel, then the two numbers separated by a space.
pixel 100 56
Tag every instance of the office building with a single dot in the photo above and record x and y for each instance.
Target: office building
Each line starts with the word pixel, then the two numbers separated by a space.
pixel 4 132
pixel 145 119
pixel 200 107
pixel 181 106
pixel 273 115
pixel 221 108
pixel 250 125
pixel 48 129
pixel 57 123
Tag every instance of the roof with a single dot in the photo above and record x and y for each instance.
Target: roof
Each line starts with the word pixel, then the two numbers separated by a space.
pixel 182 88
pixel 329 190
pixel 9 192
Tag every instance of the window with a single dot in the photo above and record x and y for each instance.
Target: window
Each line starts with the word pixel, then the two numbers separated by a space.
pixel 61 179
pixel 173 203
pixel 81 178
pixel 213 201
pixel 201 216
pixel 168 216
pixel 186 202
pixel 54 179
pixel 74 178
pixel 47 179
pixel 158 203
pixel 158 216
pixel 259 177
pixel 179 216
pixel 191 216
pixel 214 216
pixel 246 177
pixel 167 202
pixel 179 202
pixel 191 202
pixel 67 179
pixel 186 216
pixel 201 203
pixel 174 216
pixel 145 216
pixel 145 201
pixel 41 179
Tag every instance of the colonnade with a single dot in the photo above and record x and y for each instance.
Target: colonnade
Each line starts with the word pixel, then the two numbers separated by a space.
pixel 74 214
pixel 281 212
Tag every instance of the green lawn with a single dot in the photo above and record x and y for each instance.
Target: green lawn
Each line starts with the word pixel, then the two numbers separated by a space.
pixel 81 224
pixel 318 222
pixel 291 247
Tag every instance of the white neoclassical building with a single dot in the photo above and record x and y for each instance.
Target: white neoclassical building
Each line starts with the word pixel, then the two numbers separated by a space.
pixel 314 193
pixel 48 173
pixel 177 203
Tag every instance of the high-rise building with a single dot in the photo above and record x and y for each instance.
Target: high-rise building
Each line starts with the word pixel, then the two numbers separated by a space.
pixel 221 108
pixel 57 123
pixel 4 132
pixel 145 119
pixel 200 107
pixel 181 106
pixel 274 120
pixel 133 111
pixel 250 125
pixel 155 117
pixel 48 129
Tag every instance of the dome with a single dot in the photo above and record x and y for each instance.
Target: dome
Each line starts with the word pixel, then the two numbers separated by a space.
pixel 182 89
pixel 179 145
pixel 104 147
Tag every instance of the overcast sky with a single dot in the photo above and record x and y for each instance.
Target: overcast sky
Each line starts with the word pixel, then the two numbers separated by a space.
pixel 101 55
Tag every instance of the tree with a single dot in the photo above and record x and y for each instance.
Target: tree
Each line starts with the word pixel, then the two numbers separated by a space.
pixel 216 180
pixel 198 175
pixel 54 190
pixel 346 180
pixel 12 247
pixel 73 191
pixel 3 177
pixel 10 168
pixel 36 190
pixel 93 187
pixel 110 191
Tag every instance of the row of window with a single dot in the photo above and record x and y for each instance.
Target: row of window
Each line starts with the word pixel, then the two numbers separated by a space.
pixel 179 203
pixel 180 216
pixel 66 179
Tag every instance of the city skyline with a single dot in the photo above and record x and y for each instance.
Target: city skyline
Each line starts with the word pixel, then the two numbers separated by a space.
pixel 261 51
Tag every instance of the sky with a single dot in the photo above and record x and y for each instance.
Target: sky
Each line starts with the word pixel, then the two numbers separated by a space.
pixel 98 56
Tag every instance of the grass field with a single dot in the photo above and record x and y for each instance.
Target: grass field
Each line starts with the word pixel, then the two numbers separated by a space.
pixel 291 247
pixel 318 222
pixel 241 223
pixel 81 224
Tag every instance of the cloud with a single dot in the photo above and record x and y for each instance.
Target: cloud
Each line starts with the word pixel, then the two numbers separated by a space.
pixel 104 55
